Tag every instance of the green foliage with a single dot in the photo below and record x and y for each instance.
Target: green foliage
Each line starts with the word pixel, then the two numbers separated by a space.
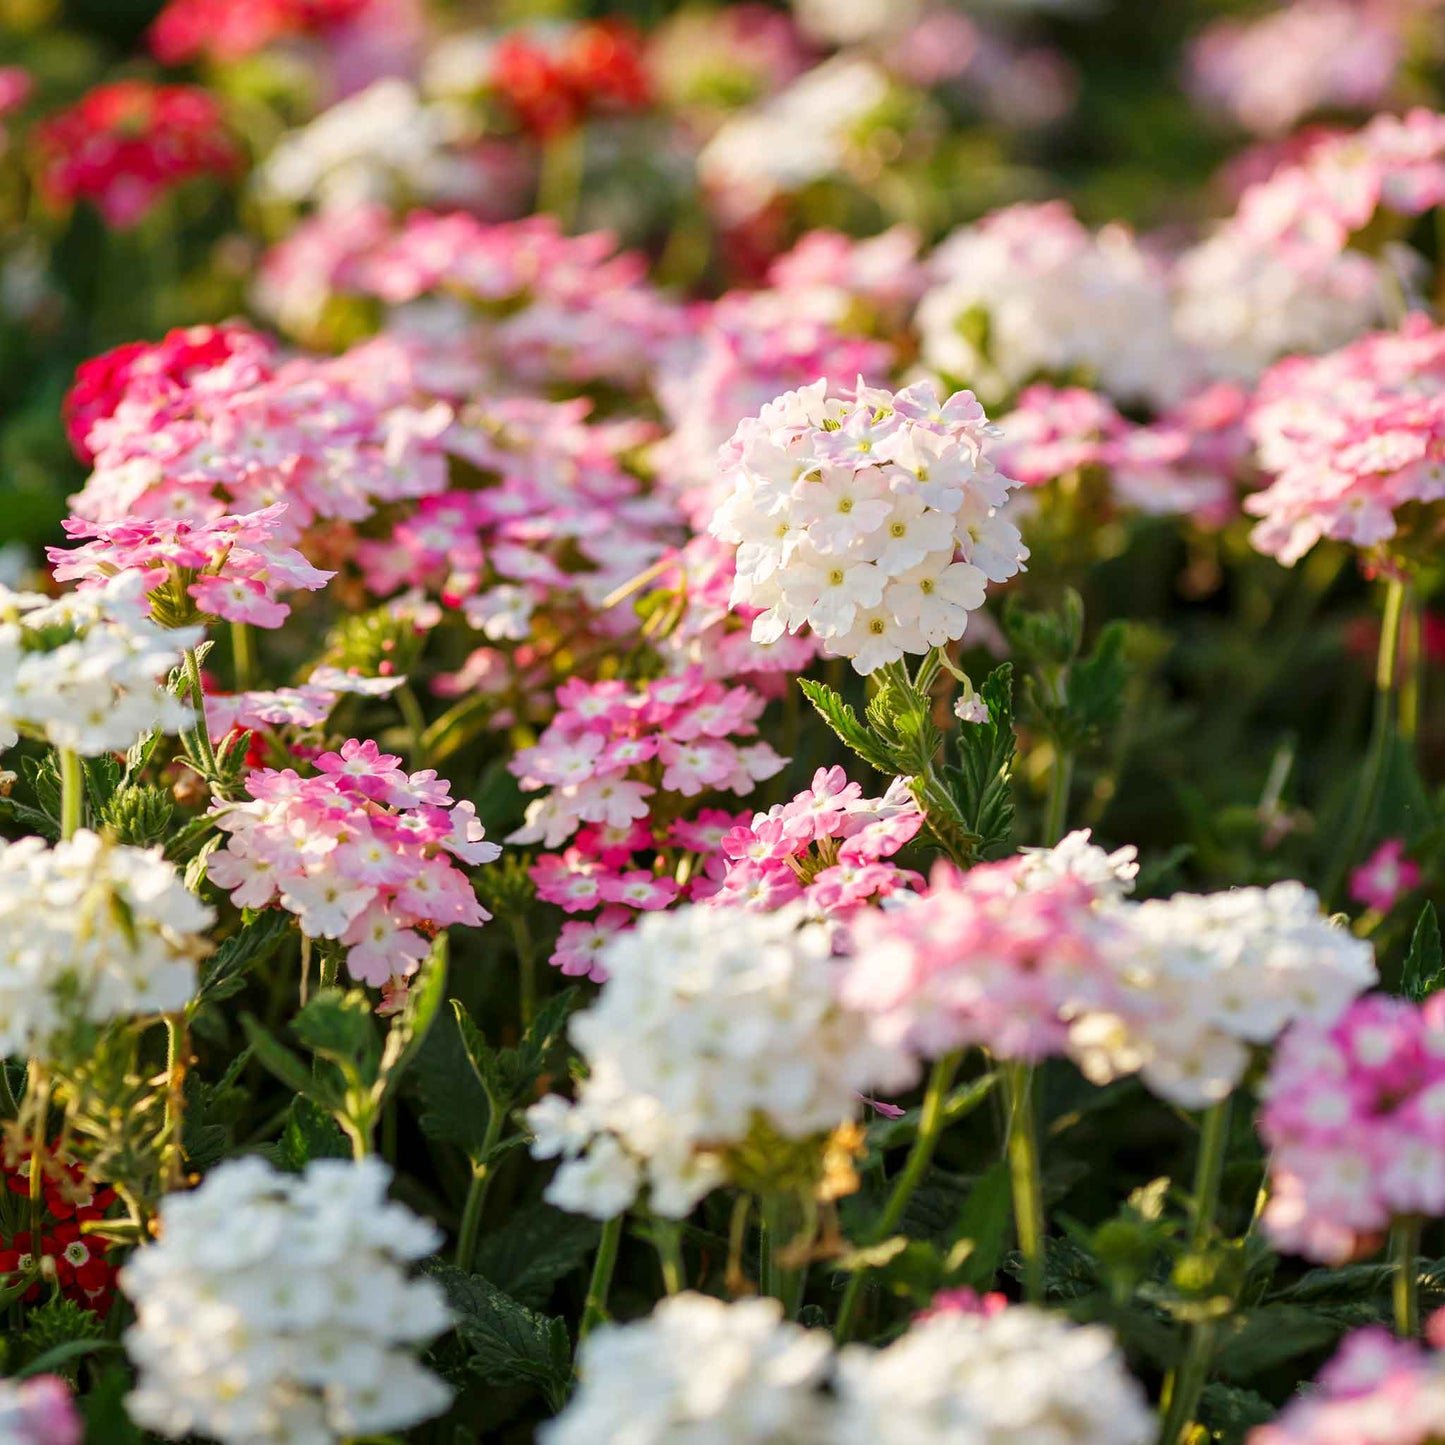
pixel 1424 964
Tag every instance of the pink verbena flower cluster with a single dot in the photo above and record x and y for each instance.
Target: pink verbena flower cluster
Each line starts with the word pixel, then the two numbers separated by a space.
pixel 559 491
pixel 482 305
pixel 1377 1390
pixel 829 847
pixel 990 957
pixel 614 744
pixel 359 852
pixel 1395 163
pixel 1185 463
pixel 331 437
pixel 1350 439
pixel 231 568
pixel 1355 1115
pixel 306 706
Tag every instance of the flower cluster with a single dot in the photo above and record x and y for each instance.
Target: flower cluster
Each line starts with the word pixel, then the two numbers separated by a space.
pixel 1028 293
pixel 306 706
pixel 359 852
pixel 230 568
pixel 278 1307
pixel 872 520
pixel 697 1369
pixel 1377 1390
pixel 1003 956
pixel 996 1376
pixel 231 29
pixel 81 670
pixel 127 144
pixel 613 745
pixel 553 81
pixel 1350 439
pixel 39 1411
pixel 93 931
pixel 331 438
pixel 1354 1113
pixel 828 847
pixel 1207 978
pixel 711 1024
pixel 1313 55
pixel 69 1256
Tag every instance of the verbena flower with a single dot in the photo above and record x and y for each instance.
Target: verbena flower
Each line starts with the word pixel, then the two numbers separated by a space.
pixel 39 1411
pixel 91 932
pixel 278 1307
pixel 872 519
pixel 711 1022
pixel 1355 1114
pixel 359 852
pixel 697 1369
pixel 87 671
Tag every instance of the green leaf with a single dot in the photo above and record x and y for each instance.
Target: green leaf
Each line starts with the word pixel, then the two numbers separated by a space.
pixel 63 1354
pixel 1424 967
pixel 535 1248
pixel 1230 1413
pixel 984 1226
pixel 225 970
pixel 1273 1335
pixel 983 780
pixel 845 723
pixel 102 778
pixel 507 1343
pixel 287 1067
pixel 310 1133
pixel 455 1109
pixel 103 1406
pixel 890 1133
pixel 409 1029
pixel 341 1028
pixel 1096 683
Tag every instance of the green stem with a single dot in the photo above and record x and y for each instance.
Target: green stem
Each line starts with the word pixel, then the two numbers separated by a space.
pixel 243 656
pixel 779 1280
pixel 1405 1286
pixel 1412 669
pixel 415 721
pixel 201 734
pixel 595 1310
pixel 1209 1170
pixel 1382 728
pixel 173 1156
pixel 667 1237
pixel 72 793
pixel 1056 810
pixel 559 178
pixel 930 1126
pixel 1023 1161
pixel 1186 1384
pixel 477 1190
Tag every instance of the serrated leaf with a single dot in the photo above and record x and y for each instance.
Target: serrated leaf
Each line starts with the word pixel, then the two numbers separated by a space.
pixel 103 1406
pixel 840 716
pixel 534 1249
pixel 226 968
pixel 507 1343
pixel 341 1028
pixel 1230 1413
pixel 1424 966
pixel 196 869
pixel 984 1224
pixel 277 1059
pixel 983 780
pixel 1273 1335
pixel 454 1107
pixel 310 1133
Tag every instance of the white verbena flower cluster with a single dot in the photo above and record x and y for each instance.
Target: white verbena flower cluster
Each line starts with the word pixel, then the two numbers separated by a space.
pixel 711 1019
pixel 81 671
pixel 90 932
pixel 1209 976
pixel 698 1370
pixel 873 519
pixel 1242 302
pixel 277 1307
pixel 1018 1376
pixel 1029 292
pixel 701 1372
pixel 1110 876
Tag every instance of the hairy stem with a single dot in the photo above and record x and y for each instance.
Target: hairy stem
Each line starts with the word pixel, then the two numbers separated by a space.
pixel 72 793
pixel 1023 1160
